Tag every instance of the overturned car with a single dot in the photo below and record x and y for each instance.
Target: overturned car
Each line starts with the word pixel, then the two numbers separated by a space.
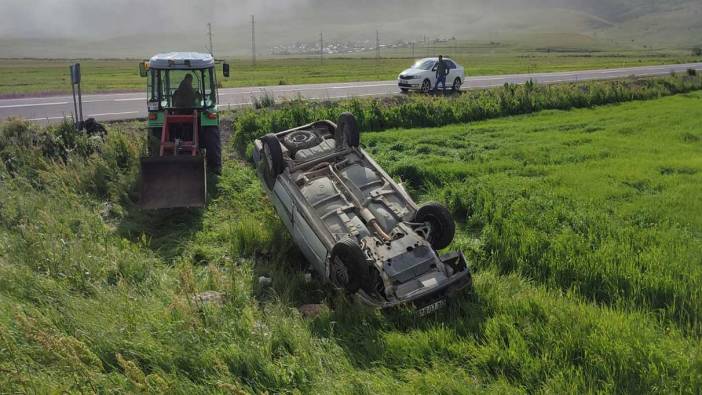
pixel 358 228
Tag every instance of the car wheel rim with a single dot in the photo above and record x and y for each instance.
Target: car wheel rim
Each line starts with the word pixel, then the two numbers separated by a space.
pixel 425 86
pixel 300 138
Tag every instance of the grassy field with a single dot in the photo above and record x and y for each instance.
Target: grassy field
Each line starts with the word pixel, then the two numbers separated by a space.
pixel 28 77
pixel 582 226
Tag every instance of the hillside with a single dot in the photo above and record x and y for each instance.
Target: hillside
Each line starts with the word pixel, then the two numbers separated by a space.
pixel 583 239
pixel 615 24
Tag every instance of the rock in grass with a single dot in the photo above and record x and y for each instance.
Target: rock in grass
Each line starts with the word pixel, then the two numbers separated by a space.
pixel 208 298
pixel 312 310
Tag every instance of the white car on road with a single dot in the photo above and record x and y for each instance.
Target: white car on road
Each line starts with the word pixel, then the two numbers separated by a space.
pixel 422 75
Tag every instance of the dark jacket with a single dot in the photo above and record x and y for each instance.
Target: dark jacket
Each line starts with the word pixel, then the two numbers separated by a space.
pixel 184 96
pixel 442 69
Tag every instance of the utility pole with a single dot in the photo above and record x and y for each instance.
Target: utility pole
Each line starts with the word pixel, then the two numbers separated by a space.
pixel 377 45
pixel 377 52
pixel 321 48
pixel 209 34
pixel 253 40
pixel 412 49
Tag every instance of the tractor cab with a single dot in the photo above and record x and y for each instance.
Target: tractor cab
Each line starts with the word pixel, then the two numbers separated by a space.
pixel 183 129
pixel 181 81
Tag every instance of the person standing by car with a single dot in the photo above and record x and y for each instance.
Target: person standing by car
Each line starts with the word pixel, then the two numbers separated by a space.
pixel 441 73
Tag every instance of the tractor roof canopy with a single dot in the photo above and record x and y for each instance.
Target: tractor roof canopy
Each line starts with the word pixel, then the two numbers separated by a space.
pixel 181 61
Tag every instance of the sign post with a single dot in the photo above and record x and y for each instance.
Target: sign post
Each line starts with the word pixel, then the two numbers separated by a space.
pixel 77 100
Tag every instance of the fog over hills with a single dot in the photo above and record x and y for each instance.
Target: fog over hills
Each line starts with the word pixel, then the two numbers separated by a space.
pixel 56 28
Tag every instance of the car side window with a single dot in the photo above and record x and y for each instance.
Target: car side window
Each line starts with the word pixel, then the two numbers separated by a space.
pixel 433 68
pixel 450 64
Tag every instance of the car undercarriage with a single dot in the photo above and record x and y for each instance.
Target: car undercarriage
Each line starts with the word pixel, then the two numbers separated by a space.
pixel 359 229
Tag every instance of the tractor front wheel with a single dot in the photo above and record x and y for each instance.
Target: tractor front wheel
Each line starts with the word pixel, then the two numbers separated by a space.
pixel 213 145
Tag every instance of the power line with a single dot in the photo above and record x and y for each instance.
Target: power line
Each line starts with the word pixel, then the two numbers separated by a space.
pixel 253 40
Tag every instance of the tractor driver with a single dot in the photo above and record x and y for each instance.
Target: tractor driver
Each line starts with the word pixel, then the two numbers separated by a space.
pixel 185 96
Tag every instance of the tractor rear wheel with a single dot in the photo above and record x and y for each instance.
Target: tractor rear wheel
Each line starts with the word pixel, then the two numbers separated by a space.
pixel 213 145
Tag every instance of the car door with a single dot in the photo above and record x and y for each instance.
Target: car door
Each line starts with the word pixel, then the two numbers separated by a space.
pixel 309 242
pixel 432 74
pixel 453 72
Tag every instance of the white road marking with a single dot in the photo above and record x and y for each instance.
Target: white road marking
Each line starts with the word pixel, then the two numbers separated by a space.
pixel 46 118
pixel 112 113
pixel 35 104
pixel 132 99
pixel 223 105
pixel 63 97
pixel 302 89
pixel 347 96
pixel 86 116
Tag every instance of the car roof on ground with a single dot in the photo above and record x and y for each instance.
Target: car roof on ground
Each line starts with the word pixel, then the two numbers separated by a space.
pixel 181 61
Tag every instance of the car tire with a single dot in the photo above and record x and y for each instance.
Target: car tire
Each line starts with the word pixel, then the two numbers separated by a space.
pixel 426 86
pixel 442 227
pixel 213 146
pixel 348 263
pixel 272 157
pixel 457 84
pixel 347 132
pixel 301 139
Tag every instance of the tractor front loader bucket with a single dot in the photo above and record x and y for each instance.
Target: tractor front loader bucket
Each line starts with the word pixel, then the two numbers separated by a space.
pixel 173 181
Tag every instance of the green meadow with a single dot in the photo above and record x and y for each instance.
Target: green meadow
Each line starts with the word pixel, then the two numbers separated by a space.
pixel 583 228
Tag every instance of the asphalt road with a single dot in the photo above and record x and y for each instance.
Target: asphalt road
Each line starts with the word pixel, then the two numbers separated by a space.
pixel 121 106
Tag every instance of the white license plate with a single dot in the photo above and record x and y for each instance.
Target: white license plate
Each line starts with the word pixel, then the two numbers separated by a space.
pixel 438 305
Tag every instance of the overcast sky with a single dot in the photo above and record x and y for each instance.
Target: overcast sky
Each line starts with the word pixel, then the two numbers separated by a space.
pixel 138 27
pixel 109 18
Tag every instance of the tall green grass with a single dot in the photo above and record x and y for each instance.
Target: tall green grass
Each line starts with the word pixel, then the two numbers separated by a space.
pixel 421 111
pixel 96 296
pixel 599 203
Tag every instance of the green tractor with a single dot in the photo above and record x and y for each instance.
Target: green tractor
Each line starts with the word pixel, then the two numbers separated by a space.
pixel 183 129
